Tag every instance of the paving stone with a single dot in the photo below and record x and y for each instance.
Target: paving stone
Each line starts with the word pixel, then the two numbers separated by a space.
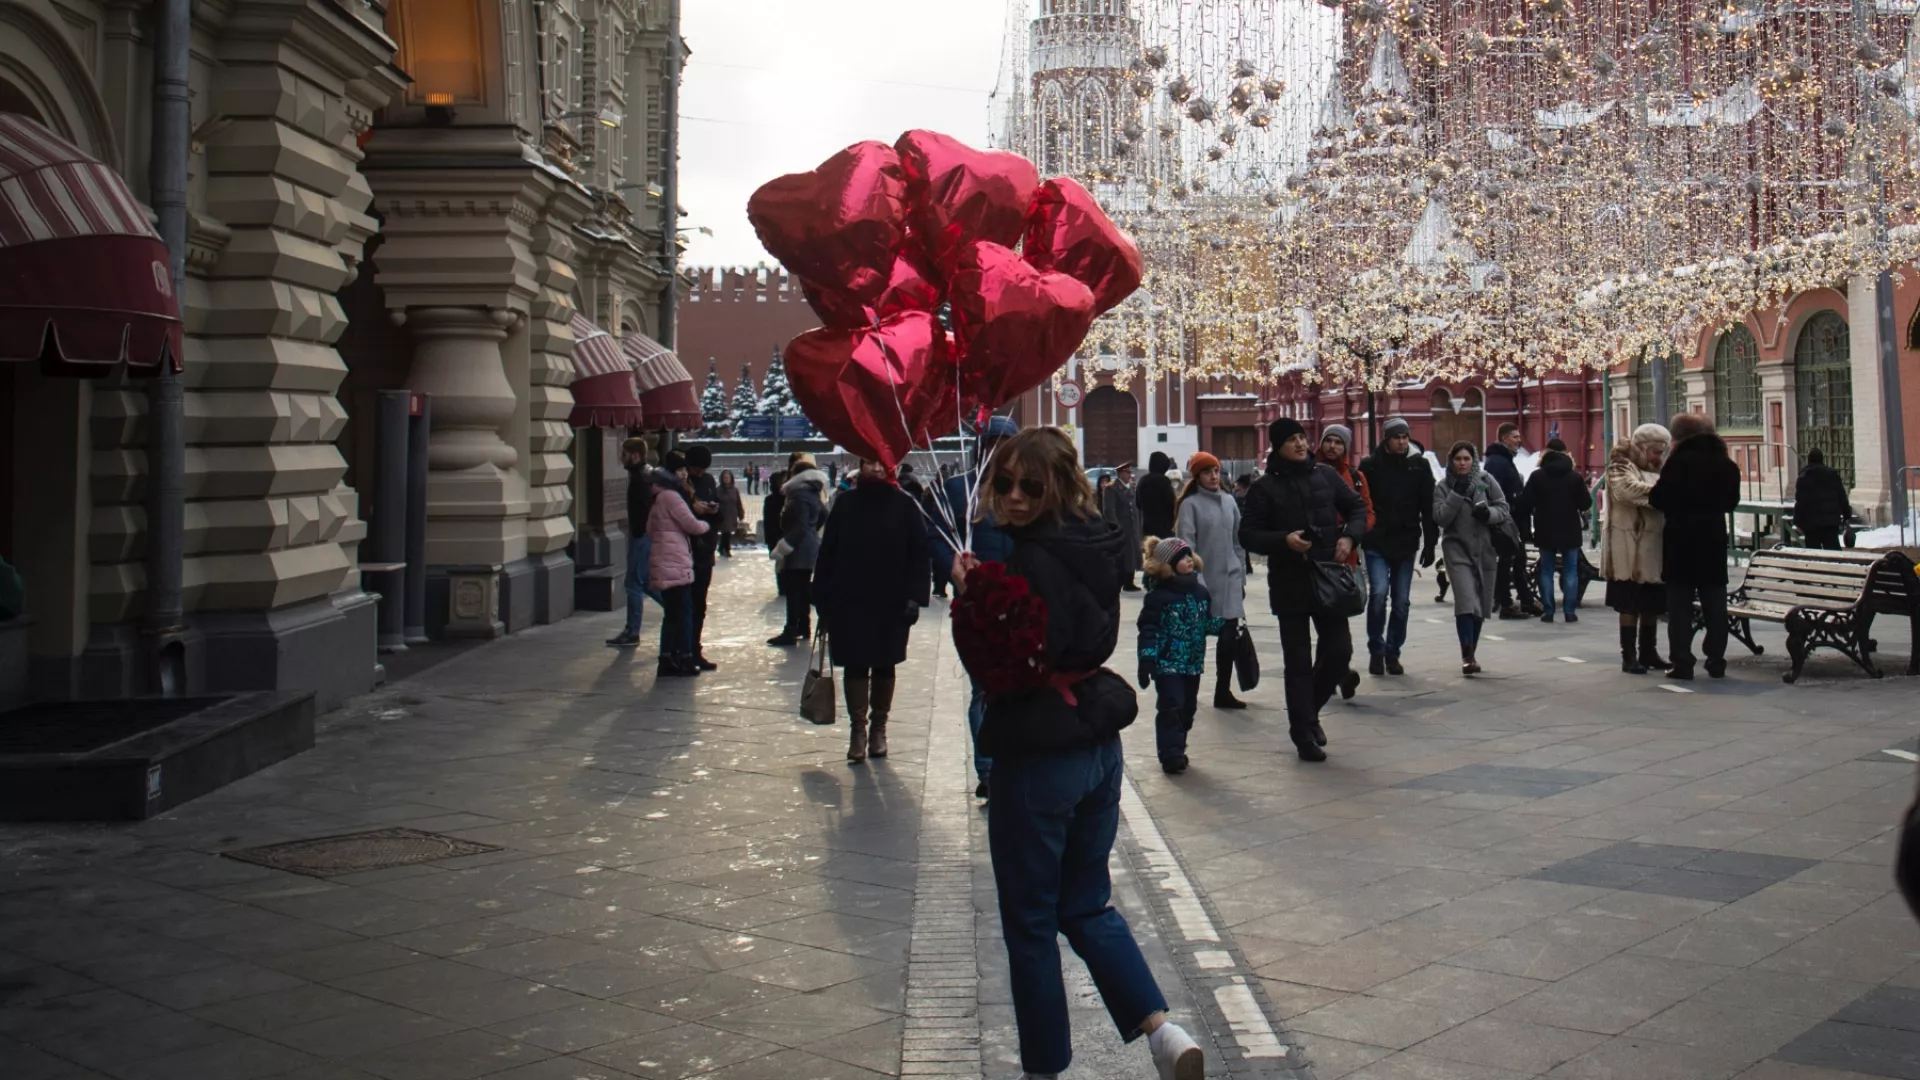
pixel 678 1051
pixel 460 1055
pixel 1380 1021
pixel 241 1057
pixel 1734 1030
pixel 1410 1065
pixel 1646 1060
pixel 801 1019
pixel 1514 1045
pixel 580 1027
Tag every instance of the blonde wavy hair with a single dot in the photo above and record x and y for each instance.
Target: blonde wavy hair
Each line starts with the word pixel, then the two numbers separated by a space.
pixel 1045 454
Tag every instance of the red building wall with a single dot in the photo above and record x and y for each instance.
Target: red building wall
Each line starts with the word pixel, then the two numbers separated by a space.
pixel 739 315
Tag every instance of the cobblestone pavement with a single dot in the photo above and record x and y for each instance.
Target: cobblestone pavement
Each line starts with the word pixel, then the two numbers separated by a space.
pixel 1552 870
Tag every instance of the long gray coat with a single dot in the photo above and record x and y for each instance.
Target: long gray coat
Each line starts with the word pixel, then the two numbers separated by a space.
pixel 1117 507
pixel 1210 521
pixel 1472 561
pixel 802 519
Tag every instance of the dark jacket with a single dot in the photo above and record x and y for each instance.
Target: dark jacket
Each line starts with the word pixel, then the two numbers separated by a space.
pixel 706 489
pixel 1174 623
pixel 801 516
pixel 1290 498
pixel 1402 490
pixel 990 542
pixel 872 569
pixel 1499 464
pixel 1820 499
pixel 1699 486
pixel 1154 496
pixel 771 523
pixel 1074 567
pixel 1554 498
pixel 639 498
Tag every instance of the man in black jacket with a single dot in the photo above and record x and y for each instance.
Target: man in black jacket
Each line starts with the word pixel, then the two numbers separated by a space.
pixel 1554 499
pixel 1820 505
pixel 704 500
pixel 1511 586
pixel 633 455
pixel 1154 497
pixel 1699 486
pixel 1402 486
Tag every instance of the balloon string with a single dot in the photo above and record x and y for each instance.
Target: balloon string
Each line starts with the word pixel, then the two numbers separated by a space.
pixel 951 535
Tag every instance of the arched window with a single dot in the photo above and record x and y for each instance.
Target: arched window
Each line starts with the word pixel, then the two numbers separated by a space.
pixel 1823 391
pixel 1736 381
pixel 1643 407
pixel 1093 125
pixel 1054 139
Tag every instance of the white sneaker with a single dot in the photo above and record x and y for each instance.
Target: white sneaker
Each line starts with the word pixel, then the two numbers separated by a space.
pixel 1175 1055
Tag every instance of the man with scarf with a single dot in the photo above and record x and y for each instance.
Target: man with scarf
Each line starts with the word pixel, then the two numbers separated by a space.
pixel 1400 487
pixel 1334 441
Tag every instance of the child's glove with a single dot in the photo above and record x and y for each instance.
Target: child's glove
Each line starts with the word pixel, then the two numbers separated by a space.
pixel 1146 674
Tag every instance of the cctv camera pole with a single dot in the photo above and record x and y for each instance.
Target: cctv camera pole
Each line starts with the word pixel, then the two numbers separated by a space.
pixel 669 182
pixel 166 401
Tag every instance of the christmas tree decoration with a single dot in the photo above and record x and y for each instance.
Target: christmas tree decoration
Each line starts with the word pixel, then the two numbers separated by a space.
pixel 714 423
pixel 746 400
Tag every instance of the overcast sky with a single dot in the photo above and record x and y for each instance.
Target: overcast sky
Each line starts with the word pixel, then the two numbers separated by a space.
pixel 777 86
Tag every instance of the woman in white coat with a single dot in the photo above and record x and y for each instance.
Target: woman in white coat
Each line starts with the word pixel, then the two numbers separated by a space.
pixel 1630 559
pixel 1469 506
pixel 1208 519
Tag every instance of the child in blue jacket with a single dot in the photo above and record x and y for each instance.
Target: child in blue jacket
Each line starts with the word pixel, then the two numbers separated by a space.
pixel 1174 626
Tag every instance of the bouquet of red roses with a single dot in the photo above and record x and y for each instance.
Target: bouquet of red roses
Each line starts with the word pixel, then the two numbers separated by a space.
pixel 1000 628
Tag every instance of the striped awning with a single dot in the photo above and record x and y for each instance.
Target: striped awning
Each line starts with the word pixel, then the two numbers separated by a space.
pixel 666 390
pixel 84 279
pixel 604 394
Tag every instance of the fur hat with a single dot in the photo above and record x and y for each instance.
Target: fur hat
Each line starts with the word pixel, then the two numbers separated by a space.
pixel 801 460
pixel 1165 553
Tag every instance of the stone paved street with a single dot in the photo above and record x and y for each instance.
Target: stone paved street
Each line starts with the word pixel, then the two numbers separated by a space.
pixel 1554 870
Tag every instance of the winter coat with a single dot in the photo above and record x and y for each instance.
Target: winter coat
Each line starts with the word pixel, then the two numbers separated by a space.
pixel 706 488
pixel 1358 482
pixel 872 569
pixel 732 508
pixel 1174 624
pixel 1401 487
pixel 1473 563
pixel 640 489
pixel 1499 463
pixel 1820 499
pixel 1117 506
pixel 772 524
pixel 1074 568
pixel 990 542
pixel 1699 486
pixel 802 515
pixel 1554 498
pixel 1631 550
pixel 672 526
pixel 1154 495
pixel 1290 498
pixel 1210 521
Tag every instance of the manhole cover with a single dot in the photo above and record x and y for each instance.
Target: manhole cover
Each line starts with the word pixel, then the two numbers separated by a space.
pixel 331 856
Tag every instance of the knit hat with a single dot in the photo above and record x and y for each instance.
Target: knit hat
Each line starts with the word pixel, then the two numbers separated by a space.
pixel 1338 431
pixel 1200 461
pixel 1168 551
pixel 674 461
pixel 1283 429
pixel 1396 426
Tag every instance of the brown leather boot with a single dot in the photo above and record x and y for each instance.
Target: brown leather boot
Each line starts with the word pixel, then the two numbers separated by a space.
pixel 877 721
pixel 859 698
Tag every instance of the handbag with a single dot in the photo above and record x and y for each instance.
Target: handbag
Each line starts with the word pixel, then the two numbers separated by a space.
pixel 1337 589
pixel 1246 664
pixel 816 691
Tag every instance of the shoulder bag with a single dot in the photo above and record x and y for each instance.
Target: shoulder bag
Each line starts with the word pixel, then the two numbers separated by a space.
pixel 1246 664
pixel 817 702
pixel 1337 589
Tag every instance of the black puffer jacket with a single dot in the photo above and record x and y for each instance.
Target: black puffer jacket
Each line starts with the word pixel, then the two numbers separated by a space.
pixel 1500 465
pixel 1820 499
pixel 1292 497
pixel 1074 567
pixel 1699 486
pixel 1554 499
pixel 1402 490
pixel 1154 495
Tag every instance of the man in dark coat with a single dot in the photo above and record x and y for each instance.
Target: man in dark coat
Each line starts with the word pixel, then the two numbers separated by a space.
pixel 1554 499
pixel 1820 505
pixel 1511 586
pixel 1154 496
pixel 633 455
pixel 1118 505
pixel 770 523
pixel 1699 486
pixel 704 499
pixel 1401 483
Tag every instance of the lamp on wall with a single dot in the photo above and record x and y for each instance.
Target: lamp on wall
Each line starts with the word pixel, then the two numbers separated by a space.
pixel 608 117
pixel 442 48
pixel 440 109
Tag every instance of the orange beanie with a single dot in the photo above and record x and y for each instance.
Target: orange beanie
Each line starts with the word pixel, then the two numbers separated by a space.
pixel 1201 460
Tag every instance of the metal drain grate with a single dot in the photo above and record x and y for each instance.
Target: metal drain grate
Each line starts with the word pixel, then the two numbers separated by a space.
pixel 332 856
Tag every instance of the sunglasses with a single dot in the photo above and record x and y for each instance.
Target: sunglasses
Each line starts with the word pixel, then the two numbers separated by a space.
pixel 1031 488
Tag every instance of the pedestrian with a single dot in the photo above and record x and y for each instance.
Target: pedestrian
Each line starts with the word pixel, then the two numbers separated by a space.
pixel 1470 507
pixel 1299 514
pixel 732 511
pixel 1058 767
pixel 1175 621
pixel 1119 507
pixel 990 543
pixel 1242 484
pixel 1630 552
pixel 1698 487
pixel 771 526
pixel 704 499
pixel 634 454
pixel 673 528
pixel 869 585
pixel 753 478
pixel 802 513
pixel 1400 484
pixel 1514 585
pixel 1208 519
pixel 1334 441
pixel 1821 509
pixel 1553 499
pixel 1154 496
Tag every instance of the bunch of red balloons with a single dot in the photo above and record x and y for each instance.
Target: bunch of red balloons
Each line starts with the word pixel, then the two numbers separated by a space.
pixel 882 236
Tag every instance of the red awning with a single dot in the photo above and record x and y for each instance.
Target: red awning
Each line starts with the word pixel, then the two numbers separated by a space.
pixel 665 387
pixel 604 394
pixel 84 284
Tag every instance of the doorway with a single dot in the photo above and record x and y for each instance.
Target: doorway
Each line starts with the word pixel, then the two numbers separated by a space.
pixel 1112 421
pixel 1459 419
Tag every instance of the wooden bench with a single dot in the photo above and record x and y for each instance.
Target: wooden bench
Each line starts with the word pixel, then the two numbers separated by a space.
pixel 1826 599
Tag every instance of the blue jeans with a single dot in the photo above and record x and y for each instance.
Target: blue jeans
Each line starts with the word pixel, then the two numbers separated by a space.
pixel 1569 571
pixel 1388 579
pixel 1050 829
pixel 1178 698
pixel 977 715
pixel 639 550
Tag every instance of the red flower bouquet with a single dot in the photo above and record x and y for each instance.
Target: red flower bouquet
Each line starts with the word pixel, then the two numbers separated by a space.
pixel 1000 629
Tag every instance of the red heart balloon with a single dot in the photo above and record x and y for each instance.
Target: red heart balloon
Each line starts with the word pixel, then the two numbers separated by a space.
pixel 1016 324
pixel 881 391
pixel 839 225
pixel 913 286
pixel 1067 231
pixel 957 195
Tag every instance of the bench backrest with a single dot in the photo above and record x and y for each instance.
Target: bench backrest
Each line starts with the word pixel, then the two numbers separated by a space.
pixel 1807 577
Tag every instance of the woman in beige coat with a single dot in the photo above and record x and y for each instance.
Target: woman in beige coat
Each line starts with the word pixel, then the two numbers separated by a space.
pixel 1630 559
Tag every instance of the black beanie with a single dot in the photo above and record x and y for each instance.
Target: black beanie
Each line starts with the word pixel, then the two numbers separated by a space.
pixel 1281 430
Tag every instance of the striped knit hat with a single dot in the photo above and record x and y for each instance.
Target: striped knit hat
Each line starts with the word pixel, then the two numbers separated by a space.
pixel 1168 551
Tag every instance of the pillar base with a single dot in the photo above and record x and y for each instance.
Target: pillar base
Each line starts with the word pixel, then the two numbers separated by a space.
pixel 463 601
pixel 553 576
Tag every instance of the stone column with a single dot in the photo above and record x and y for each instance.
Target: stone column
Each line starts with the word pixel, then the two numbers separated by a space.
pixel 1870 495
pixel 1776 398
